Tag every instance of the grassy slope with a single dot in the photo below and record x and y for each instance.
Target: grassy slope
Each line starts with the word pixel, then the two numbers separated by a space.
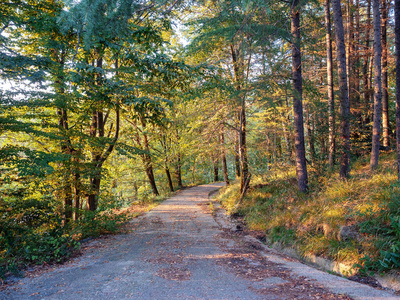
pixel 369 203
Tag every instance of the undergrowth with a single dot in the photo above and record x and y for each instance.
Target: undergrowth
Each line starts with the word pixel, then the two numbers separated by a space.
pixel 32 231
pixel 356 221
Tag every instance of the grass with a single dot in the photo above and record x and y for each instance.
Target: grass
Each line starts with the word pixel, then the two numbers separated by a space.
pixel 368 204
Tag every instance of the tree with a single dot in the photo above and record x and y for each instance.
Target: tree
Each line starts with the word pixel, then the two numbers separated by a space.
pixel 331 99
pixel 385 88
pixel 376 129
pixel 343 91
pixel 397 37
pixel 301 167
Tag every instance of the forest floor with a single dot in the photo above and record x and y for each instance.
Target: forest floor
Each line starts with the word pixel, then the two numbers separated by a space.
pixel 182 249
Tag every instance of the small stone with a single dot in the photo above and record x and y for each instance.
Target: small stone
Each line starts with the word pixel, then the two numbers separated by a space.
pixel 348 233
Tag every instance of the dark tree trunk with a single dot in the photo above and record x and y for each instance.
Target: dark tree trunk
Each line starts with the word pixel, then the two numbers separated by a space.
pixel 148 163
pixel 397 37
pixel 237 62
pixel 168 173
pixel 343 91
pixel 237 159
pixel 376 129
pixel 365 69
pixel 77 190
pixel 100 153
pixel 150 176
pixel 224 164
pixel 244 166
pixel 216 170
pixel 356 66
pixel 385 94
pixel 92 201
pixel 164 145
pixel 331 99
pixel 301 167
pixel 178 175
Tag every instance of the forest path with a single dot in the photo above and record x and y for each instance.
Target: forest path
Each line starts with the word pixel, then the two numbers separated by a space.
pixel 179 251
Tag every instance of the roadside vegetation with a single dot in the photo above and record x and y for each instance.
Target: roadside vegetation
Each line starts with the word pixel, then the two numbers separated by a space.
pixel 356 222
pixel 32 231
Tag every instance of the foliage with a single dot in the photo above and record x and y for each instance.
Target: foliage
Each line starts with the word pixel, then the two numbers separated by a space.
pixel 369 202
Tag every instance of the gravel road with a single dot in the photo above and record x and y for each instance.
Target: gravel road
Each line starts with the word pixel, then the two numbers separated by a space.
pixel 179 251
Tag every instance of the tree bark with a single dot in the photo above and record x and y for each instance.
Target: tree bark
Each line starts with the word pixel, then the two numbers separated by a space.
pixel 216 168
pixel 237 62
pixel 223 158
pixel 376 129
pixel 397 54
pixel 301 167
pixel 178 174
pixel 365 69
pixel 331 99
pixel 168 173
pixel 100 154
pixel 385 94
pixel 343 91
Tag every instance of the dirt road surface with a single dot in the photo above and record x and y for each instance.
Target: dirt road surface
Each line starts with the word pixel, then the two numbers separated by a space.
pixel 179 251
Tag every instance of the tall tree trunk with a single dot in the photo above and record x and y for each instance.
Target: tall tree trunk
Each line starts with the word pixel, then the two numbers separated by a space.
pixel 331 99
pixel 66 145
pixel 237 62
pixel 223 158
pixel 365 69
pixel 397 37
pixel 244 166
pixel 343 91
pixel 376 129
pixel 100 153
pixel 349 33
pixel 356 48
pixel 301 167
pixel 385 94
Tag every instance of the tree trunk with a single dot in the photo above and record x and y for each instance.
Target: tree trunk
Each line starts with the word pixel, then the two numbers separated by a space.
pixel 237 62
pixel 301 167
pixel 77 190
pixel 216 169
pixel 397 37
pixel 224 164
pixel 331 99
pixel 168 173
pixel 343 91
pixel 365 69
pixel 385 94
pixel 376 129
pixel 310 138
pixel 150 176
pixel 356 66
pixel 100 153
pixel 178 175
pixel 92 200
pixel 148 163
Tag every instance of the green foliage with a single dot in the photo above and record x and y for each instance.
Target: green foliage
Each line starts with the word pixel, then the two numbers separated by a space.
pixel 30 232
